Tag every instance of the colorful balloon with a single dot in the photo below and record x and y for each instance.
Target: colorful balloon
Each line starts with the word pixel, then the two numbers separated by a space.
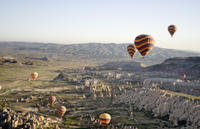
pixel 34 75
pixel 131 50
pixel 172 29
pixel 52 100
pixel 61 111
pixel 104 119
pixel 183 75
pixel 144 44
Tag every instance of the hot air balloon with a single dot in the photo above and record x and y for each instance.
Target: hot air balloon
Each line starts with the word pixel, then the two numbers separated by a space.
pixel 34 75
pixel 52 100
pixel 144 44
pixel 131 50
pixel 61 111
pixel 183 75
pixel 172 29
pixel 104 119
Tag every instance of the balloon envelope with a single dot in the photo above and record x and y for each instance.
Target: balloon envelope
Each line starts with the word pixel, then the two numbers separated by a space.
pixel 172 29
pixel 52 100
pixel 104 119
pixel 131 50
pixel 34 75
pixel 144 44
pixel 183 75
pixel 61 111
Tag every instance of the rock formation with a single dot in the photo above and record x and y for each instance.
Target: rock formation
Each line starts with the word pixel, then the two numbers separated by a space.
pixel 181 111
pixel 10 119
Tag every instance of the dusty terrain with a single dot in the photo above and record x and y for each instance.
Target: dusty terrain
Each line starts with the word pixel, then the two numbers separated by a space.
pixel 136 96
pixel 25 99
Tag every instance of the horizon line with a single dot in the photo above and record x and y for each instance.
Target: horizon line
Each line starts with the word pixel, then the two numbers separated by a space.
pixel 38 42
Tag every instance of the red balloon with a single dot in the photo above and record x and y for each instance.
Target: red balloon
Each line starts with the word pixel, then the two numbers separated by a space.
pixel 52 100
pixel 61 111
pixel 183 75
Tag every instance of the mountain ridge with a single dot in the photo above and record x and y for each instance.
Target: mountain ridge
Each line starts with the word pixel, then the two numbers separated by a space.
pixel 99 52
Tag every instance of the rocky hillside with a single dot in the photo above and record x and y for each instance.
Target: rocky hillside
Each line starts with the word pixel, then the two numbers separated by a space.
pixel 10 119
pixel 188 65
pixel 176 85
pixel 90 51
pixel 125 66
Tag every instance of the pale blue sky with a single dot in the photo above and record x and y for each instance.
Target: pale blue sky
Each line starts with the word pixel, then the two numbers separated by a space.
pixel 102 21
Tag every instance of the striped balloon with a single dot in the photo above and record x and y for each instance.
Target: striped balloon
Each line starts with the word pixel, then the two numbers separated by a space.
pixel 144 44
pixel 131 50
pixel 52 100
pixel 104 119
pixel 172 29
pixel 61 111
pixel 34 75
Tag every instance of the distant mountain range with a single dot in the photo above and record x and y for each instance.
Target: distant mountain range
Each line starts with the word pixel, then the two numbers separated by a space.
pixel 98 52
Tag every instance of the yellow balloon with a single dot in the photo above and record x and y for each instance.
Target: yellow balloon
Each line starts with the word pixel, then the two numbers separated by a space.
pixel 104 119
pixel 34 75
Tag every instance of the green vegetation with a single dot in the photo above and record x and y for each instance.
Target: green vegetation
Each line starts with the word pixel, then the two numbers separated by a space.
pixel 3 104
pixel 70 122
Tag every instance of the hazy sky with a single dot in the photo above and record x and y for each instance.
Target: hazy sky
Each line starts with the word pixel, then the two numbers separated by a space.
pixel 105 21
